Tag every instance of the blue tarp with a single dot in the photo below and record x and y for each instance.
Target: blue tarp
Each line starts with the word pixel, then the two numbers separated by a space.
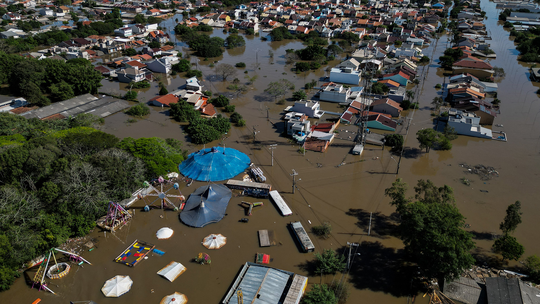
pixel 214 164
pixel 206 205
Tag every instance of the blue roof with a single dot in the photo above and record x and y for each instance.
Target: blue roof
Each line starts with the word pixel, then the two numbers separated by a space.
pixel 206 205
pixel 357 89
pixel 214 164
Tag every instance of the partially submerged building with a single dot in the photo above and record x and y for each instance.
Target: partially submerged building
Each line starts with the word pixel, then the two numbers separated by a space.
pixel 259 284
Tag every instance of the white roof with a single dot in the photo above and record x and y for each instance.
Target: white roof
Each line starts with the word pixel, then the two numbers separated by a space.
pixel 280 203
pixel 172 271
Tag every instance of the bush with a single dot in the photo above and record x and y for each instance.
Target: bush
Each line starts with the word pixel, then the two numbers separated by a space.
pixel 194 73
pixel 139 110
pixel 131 95
pixel 329 262
pixel 220 101
pixel 299 95
pixel 438 86
pixel 240 65
pixel 208 93
pixel 314 65
pixel 282 101
pixel 241 123
pixel 236 117
pixel 323 230
pixel 320 294
pixel 406 104
pixel 163 91
pixel 139 85
pixel 233 30
pixel 250 31
pixel 229 108
pixel 302 66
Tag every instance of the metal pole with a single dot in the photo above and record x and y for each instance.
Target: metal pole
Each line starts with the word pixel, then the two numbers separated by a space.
pixel 369 229
pixel 294 174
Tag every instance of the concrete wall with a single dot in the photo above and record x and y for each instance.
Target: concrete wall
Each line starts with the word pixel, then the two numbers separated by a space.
pixel 345 78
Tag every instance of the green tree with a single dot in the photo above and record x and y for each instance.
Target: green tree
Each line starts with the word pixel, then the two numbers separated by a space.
pixel 131 95
pixel 427 138
pixel 194 73
pixel 299 95
pixel 61 91
pixel 163 91
pixel 302 66
pixel 320 294
pixel 509 247
pixel 532 264
pixel 512 218
pixel 220 101
pixel 139 110
pixel 139 18
pixel 394 140
pixel 183 112
pixel 329 262
pixel 233 41
pixel 432 229
pixel 236 117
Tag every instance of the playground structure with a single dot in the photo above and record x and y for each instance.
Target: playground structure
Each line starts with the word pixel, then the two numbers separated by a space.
pixel 249 206
pixel 135 253
pixel 154 193
pixel 116 217
pixel 57 271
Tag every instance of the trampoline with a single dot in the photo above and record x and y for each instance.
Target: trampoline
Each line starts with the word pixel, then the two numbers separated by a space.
pixel 206 205
pixel 214 164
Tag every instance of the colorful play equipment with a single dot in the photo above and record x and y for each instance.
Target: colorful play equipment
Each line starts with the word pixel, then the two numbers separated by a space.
pixel 116 217
pixel 55 271
pixel 135 253
pixel 154 193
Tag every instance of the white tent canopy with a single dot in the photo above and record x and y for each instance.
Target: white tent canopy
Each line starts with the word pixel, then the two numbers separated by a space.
pixel 117 286
pixel 172 271
pixel 214 241
pixel 175 298
pixel 164 233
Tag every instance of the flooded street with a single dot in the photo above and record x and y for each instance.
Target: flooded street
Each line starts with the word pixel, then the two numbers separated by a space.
pixel 335 187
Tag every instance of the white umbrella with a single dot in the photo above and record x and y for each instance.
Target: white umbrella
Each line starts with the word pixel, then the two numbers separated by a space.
pixel 117 286
pixel 175 298
pixel 164 233
pixel 214 241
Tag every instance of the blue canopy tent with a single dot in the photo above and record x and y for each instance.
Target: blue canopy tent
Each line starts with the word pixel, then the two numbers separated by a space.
pixel 214 164
pixel 206 205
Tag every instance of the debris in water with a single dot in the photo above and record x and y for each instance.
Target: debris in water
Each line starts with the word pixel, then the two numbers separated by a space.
pixel 484 191
pixel 465 181
pixel 485 172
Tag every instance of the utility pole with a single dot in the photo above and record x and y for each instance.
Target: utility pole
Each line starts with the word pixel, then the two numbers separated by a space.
pixel 255 133
pixel 349 257
pixel 369 229
pixel 272 147
pixel 294 174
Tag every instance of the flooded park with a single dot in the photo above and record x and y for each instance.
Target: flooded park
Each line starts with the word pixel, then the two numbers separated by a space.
pixel 335 187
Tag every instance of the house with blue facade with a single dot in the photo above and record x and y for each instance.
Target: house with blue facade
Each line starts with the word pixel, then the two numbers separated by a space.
pixel 399 77
pixel 347 72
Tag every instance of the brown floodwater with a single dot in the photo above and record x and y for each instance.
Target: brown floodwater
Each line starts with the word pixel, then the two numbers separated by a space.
pixel 335 187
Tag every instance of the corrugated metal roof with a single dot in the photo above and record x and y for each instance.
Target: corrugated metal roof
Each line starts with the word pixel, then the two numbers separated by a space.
pixel 503 291
pixel 262 285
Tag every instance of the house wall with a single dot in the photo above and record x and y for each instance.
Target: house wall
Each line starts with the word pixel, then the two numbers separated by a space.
pixel 384 108
pixel 469 130
pixel 333 96
pixel 377 125
pixel 475 72
pixel 345 78
pixel 485 118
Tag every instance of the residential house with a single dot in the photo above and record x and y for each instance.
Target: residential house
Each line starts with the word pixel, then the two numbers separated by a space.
pixel 399 77
pixel 13 33
pixel 333 92
pixel 387 106
pixel 193 84
pixel 389 83
pixel 480 108
pixel 132 74
pixel 309 107
pixel 138 29
pixel 474 66
pixel 63 9
pixel 12 17
pixel 397 94
pixel 47 12
pixel 347 72
pixel 467 124
pixel 125 31
pixel 464 92
pixel 164 100
pixel 381 122
pixel 158 36
pixel 298 126
pixel 371 64
pixel 162 65
pixel 208 110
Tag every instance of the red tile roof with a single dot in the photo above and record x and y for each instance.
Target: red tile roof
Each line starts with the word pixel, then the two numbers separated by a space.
pixel 208 110
pixel 134 63
pixel 166 99
pixel 387 101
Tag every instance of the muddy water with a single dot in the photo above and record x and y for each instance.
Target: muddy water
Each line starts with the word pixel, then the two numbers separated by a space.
pixel 335 187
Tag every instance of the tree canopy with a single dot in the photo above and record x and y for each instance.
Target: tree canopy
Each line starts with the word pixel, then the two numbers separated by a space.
pixel 431 227
pixel 57 177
